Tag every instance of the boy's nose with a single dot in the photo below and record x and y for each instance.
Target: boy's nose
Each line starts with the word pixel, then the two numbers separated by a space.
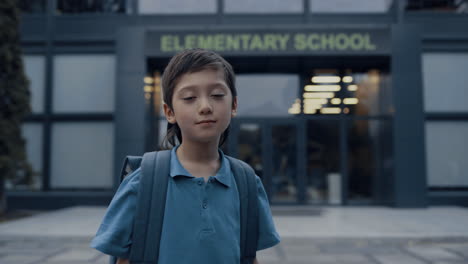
pixel 205 107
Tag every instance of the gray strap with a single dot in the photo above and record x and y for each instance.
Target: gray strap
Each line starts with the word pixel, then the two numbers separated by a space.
pixel 158 205
pixel 145 192
pixel 247 187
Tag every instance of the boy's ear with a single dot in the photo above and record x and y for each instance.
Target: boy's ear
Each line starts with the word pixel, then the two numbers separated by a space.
pixel 234 106
pixel 169 114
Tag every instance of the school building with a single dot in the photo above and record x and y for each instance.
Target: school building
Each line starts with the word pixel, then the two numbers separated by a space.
pixel 341 102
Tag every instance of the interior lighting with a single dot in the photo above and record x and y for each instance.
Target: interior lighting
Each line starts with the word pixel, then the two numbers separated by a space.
pixel 336 101
pixel 330 110
pixel 347 79
pixel 350 101
pixel 352 87
pixel 322 88
pixel 296 107
pixel 346 110
pixel 315 101
pixel 148 88
pixel 148 80
pixel 325 79
pixel 318 95
pixel 294 110
pixel 310 111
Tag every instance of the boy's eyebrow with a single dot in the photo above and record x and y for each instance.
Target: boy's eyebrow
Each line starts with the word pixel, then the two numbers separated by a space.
pixel 211 86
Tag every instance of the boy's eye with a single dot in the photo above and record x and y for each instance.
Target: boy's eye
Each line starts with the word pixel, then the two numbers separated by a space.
pixel 188 98
pixel 218 95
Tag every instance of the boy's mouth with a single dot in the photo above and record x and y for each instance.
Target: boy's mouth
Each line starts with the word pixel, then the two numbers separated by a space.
pixel 206 121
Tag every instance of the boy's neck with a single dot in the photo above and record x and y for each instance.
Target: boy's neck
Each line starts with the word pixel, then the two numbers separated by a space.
pixel 198 152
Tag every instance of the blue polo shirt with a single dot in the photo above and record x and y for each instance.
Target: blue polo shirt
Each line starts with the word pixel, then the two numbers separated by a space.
pixel 201 220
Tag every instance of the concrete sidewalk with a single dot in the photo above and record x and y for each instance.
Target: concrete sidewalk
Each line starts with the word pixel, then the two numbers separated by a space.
pixel 314 222
pixel 376 235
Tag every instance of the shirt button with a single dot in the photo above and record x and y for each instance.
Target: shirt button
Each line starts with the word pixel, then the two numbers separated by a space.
pixel 205 205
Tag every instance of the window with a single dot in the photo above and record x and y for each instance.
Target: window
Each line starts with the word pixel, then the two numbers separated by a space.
pixel 32 134
pixel 447 154
pixel 84 83
pixel 350 6
pixel 267 95
pixel 34 68
pixel 177 7
pixel 262 6
pixel 82 155
pixel 445 82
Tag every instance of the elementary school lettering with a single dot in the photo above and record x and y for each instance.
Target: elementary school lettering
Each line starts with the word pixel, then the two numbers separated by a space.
pixel 268 42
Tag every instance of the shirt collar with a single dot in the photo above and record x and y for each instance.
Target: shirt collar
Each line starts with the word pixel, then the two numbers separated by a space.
pixel 223 175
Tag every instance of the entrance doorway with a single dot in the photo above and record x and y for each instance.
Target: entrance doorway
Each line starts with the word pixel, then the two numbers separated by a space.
pixel 272 147
pixel 325 140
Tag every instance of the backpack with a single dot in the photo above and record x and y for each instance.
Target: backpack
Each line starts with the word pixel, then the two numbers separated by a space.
pixel 151 203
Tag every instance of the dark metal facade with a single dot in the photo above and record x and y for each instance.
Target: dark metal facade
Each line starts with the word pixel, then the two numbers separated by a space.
pixel 123 34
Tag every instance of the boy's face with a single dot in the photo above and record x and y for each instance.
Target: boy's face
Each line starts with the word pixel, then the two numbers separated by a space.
pixel 202 106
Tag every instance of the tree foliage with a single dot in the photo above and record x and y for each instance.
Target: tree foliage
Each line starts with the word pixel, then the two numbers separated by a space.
pixel 14 100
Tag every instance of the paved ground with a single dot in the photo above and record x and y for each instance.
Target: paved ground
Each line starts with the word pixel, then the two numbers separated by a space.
pixel 361 235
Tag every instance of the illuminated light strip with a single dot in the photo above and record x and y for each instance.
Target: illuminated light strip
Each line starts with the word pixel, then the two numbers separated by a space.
pixel 336 101
pixel 347 79
pixel 148 89
pixel 294 111
pixel 325 79
pixel 322 88
pixel 148 80
pixel 310 111
pixel 350 101
pixel 330 110
pixel 315 101
pixel 318 95
pixel 311 108
pixel 352 87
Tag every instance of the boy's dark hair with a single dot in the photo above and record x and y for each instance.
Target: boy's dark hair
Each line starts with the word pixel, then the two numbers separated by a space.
pixel 190 61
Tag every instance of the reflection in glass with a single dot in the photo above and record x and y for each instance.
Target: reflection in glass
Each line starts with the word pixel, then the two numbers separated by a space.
pixel 266 95
pixel 347 6
pixel 91 6
pixel 250 146
pixel 369 159
pixel 84 83
pixel 447 153
pixel 323 177
pixel 368 94
pixel 32 134
pixel 447 70
pixel 440 6
pixel 147 7
pixel 284 176
pixel 262 6
pixel 34 67
pixel 82 155
pixel 351 93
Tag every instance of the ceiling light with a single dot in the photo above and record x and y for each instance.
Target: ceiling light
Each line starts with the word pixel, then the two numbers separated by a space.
pixel 350 101
pixel 322 88
pixel 352 87
pixel 330 110
pixel 325 79
pixel 347 79
pixel 318 95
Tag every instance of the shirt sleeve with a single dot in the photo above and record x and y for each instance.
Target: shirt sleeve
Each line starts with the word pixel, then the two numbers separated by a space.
pixel 114 234
pixel 267 236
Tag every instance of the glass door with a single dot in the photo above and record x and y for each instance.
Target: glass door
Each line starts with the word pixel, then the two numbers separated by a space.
pixel 271 147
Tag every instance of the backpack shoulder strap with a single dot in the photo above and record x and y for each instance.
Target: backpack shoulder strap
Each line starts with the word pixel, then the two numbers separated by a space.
pixel 247 187
pixel 130 164
pixel 149 214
